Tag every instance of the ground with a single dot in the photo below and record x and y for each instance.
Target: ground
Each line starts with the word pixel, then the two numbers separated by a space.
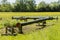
pixel 51 32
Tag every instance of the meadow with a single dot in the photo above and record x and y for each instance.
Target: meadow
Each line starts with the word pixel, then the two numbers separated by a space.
pixel 48 33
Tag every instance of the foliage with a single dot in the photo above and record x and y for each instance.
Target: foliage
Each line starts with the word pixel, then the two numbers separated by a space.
pixel 5 6
pixel 9 23
pixel 29 6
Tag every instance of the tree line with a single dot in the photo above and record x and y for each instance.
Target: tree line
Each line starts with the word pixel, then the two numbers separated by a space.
pixel 29 6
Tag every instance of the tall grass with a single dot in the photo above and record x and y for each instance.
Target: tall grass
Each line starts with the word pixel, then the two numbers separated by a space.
pixel 48 33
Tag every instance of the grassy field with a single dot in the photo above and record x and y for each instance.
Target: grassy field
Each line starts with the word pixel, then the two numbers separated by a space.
pixel 48 33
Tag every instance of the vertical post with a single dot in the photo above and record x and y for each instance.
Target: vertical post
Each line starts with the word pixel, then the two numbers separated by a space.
pixel 44 24
pixel 6 30
pixel 12 31
pixel 25 20
pixel 38 24
pixel 19 28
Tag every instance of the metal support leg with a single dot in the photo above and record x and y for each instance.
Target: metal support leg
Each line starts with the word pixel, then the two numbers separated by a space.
pixel 38 24
pixel 25 20
pixel 20 30
pixel 44 24
pixel 6 31
pixel 13 32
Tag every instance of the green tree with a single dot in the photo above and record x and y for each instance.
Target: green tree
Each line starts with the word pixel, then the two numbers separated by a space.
pixel 54 6
pixel 5 6
pixel 41 6
pixel 25 5
pixel 20 6
pixel 31 6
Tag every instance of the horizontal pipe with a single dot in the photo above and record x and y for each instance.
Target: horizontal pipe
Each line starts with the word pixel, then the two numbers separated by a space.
pixel 36 21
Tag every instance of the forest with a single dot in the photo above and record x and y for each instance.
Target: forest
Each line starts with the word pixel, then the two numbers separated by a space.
pixel 29 6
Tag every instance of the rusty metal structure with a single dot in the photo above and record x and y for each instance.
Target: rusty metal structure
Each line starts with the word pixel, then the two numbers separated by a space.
pixel 19 25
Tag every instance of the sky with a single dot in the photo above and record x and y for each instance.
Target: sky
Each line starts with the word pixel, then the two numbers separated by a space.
pixel 47 1
pixel 37 1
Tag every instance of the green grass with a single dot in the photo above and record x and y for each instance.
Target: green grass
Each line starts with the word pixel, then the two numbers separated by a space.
pixel 48 33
